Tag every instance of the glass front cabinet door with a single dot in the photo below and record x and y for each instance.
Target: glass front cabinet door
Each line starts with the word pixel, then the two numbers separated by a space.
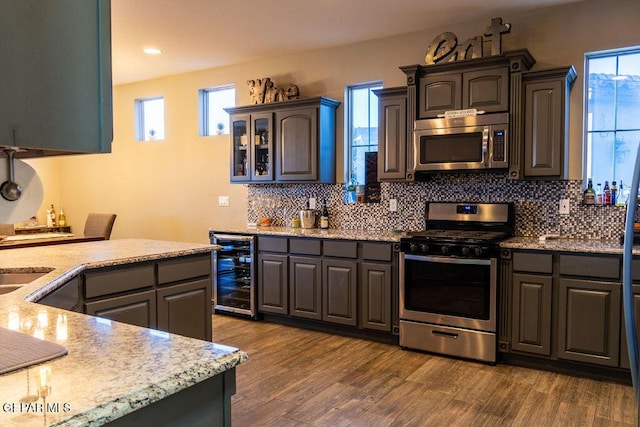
pixel 261 132
pixel 240 152
pixel 251 151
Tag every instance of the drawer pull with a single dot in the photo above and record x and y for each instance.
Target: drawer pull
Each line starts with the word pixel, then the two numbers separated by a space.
pixel 445 334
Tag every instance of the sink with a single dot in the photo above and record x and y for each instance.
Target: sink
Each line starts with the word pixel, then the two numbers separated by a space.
pixel 5 289
pixel 20 278
pixel 13 279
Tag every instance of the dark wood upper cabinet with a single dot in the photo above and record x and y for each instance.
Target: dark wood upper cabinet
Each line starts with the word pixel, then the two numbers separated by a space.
pixel 297 139
pixel 546 118
pixel 393 151
pixel 55 79
pixel 483 89
pixel 300 146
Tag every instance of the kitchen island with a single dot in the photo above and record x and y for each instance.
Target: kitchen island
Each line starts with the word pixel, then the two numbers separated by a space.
pixel 113 372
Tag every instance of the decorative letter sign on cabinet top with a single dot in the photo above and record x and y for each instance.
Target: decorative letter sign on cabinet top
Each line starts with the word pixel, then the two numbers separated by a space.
pixel 293 141
pixel 55 79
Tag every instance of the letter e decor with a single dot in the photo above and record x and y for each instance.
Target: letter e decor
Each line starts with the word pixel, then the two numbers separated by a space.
pixel 445 47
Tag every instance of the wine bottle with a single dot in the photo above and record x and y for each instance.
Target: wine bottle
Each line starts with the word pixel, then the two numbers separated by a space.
pixel 589 195
pixel 599 195
pixel 606 198
pixel 324 217
pixel 62 218
pixel 614 193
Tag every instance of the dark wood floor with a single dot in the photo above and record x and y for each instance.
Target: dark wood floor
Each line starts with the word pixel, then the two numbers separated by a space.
pixel 296 377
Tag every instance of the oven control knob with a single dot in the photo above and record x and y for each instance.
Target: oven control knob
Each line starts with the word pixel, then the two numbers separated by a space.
pixel 478 251
pixel 444 249
pixel 465 251
pixel 413 247
pixel 423 248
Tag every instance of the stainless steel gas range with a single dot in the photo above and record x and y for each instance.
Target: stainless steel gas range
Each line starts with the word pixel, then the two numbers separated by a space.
pixel 448 279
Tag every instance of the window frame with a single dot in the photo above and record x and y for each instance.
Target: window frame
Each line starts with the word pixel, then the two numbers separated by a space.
pixel 139 123
pixel 586 132
pixel 203 100
pixel 372 85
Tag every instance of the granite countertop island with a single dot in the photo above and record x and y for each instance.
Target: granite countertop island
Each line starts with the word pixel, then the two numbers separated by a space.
pixel 112 369
pixel 331 233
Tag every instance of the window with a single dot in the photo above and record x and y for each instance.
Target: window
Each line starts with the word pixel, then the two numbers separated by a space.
pixel 213 119
pixel 149 119
pixel 612 120
pixel 362 127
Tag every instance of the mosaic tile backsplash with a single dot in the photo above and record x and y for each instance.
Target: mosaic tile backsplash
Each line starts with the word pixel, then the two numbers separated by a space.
pixel 536 204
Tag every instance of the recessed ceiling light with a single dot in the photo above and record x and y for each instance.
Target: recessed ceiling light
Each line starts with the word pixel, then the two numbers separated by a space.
pixel 152 51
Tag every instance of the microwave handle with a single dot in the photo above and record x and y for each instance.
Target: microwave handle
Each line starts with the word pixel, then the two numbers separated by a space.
pixel 485 145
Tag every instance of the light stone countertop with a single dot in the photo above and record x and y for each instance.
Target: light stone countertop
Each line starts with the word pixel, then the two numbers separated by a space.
pixel 331 233
pixel 112 368
pixel 587 246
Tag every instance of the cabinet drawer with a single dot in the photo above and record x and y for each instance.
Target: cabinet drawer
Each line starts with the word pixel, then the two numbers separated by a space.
pixel 376 251
pixel 342 249
pixel 107 282
pixel 305 246
pixel 590 266
pixel 273 244
pixel 184 268
pixel 532 262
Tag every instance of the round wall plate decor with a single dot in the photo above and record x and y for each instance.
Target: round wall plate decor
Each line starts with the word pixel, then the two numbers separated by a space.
pixel 32 193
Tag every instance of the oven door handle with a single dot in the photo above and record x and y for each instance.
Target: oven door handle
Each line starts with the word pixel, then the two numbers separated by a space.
pixel 448 260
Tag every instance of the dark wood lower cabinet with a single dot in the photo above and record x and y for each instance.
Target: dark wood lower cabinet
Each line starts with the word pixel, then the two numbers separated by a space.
pixel 137 309
pixel 339 285
pixel 624 351
pixel 173 294
pixel 589 321
pixel 531 328
pixel 181 309
pixel 376 284
pixel 273 280
pixel 305 287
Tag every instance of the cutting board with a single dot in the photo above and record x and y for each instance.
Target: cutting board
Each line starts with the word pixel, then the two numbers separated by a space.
pixel 18 350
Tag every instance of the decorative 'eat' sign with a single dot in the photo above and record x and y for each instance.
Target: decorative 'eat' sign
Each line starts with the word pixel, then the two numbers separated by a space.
pixel 445 47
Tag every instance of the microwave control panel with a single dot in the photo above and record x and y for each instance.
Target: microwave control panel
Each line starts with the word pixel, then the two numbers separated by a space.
pixel 498 147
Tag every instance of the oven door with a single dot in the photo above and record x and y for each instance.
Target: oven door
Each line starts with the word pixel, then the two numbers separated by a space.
pixel 449 291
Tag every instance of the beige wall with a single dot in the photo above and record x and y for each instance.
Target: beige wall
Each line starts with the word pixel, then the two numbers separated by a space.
pixel 169 189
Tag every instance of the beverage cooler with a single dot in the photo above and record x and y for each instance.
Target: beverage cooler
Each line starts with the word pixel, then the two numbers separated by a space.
pixel 234 274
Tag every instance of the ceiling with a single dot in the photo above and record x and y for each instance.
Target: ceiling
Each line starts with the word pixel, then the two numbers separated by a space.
pixel 199 34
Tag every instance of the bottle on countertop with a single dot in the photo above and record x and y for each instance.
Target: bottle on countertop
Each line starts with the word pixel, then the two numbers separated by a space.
pixel 324 217
pixel 599 195
pixel 51 217
pixel 589 195
pixel 606 196
pixel 614 193
pixel 62 218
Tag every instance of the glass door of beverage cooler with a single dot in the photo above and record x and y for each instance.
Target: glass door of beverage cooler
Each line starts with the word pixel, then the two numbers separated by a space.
pixel 233 281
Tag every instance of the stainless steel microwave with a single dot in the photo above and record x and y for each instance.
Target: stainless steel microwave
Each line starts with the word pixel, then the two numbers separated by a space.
pixel 462 143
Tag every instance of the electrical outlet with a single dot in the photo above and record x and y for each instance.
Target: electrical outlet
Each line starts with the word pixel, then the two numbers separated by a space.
pixel 223 200
pixel 564 206
pixel 393 205
pixel 312 202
